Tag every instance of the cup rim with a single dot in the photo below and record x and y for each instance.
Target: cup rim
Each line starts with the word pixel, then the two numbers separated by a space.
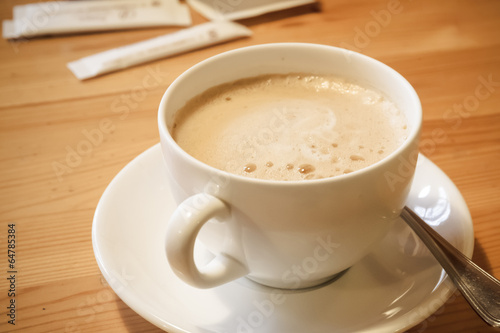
pixel 412 136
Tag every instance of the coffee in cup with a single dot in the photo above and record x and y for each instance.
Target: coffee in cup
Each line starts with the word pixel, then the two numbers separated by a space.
pixel 290 127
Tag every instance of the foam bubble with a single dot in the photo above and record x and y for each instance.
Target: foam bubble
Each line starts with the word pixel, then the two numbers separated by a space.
pixel 250 167
pixel 356 157
pixel 306 168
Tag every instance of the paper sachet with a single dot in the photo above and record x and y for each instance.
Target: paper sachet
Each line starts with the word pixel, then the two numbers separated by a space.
pixel 159 47
pixel 241 9
pixel 65 17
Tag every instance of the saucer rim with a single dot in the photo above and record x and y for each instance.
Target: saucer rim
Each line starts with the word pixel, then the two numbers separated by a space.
pixel 418 314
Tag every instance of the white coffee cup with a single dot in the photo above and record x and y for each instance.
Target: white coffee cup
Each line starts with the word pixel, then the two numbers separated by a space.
pixel 283 234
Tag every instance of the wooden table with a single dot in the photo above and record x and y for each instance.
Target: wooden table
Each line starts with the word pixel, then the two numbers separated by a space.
pixel 448 50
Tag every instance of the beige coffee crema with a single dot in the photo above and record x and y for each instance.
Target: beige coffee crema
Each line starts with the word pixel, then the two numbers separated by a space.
pixel 290 127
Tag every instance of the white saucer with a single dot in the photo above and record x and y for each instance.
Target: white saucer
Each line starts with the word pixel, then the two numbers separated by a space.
pixel 394 288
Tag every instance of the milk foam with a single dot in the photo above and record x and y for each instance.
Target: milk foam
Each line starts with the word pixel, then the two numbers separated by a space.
pixel 290 127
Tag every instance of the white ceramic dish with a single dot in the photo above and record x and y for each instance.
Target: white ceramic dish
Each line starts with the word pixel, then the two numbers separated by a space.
pixel 394 288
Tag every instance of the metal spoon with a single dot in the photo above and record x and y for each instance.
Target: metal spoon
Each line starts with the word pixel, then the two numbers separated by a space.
pixel 479 288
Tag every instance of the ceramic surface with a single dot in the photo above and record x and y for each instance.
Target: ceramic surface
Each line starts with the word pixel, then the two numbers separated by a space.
pixel 395 287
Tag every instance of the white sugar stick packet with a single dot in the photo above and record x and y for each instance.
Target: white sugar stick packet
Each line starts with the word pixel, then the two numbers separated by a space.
pixel 159 47
pixel 65 17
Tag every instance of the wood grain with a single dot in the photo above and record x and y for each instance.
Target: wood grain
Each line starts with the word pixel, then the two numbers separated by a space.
pixel 446 49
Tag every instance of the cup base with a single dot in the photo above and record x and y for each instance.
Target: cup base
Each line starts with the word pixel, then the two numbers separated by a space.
pixel 303 286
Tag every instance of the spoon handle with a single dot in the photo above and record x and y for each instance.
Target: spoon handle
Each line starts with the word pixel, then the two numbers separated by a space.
pixel 479 288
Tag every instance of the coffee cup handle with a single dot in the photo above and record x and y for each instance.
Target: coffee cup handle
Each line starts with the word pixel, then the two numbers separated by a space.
pixel 182 230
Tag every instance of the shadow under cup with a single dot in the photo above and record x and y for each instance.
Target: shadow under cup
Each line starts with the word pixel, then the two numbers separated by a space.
pixel 287 234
